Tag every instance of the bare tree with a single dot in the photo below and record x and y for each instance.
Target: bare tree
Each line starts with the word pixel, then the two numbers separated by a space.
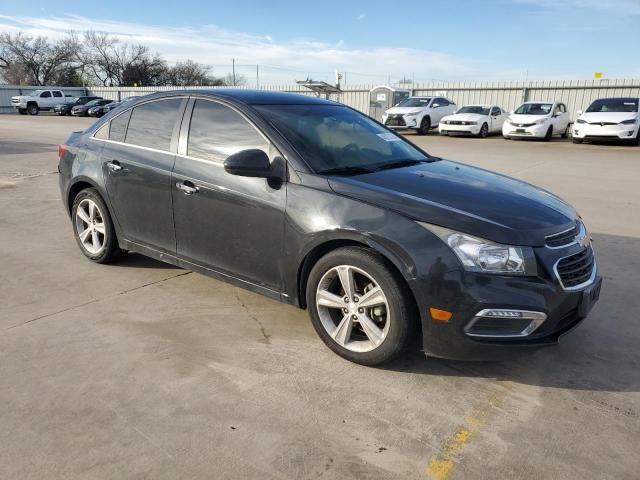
pixel 40 60
pixel 190 72
pixel 99 55
pixel 236 80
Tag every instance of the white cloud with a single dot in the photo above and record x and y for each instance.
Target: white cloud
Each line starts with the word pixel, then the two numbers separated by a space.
pixel 296 59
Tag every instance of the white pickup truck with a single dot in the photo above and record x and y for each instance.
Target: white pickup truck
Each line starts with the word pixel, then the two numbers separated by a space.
pixel 38 100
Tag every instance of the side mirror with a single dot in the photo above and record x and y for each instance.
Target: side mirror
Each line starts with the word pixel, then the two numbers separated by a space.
pixel 579 112
pixel 248 163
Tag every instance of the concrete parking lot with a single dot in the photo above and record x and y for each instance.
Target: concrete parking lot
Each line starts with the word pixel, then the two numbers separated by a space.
pixel 142 370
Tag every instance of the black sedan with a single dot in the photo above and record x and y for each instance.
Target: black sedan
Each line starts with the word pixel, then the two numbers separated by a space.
pixel 100 110
pixel 65 108
pixel 83 110
pixel 315 204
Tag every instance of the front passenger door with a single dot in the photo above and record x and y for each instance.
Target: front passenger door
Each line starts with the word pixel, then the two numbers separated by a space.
pixel 230 224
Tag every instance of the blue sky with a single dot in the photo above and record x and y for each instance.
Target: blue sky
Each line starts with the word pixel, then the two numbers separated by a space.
pixel 462 40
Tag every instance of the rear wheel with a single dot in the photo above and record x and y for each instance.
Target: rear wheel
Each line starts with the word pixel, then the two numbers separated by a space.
pixel 358 306
pixel 549 135
pixel 566 132
pixel 93 228
pixel 484 131
pixel 425 126
pixel 32 109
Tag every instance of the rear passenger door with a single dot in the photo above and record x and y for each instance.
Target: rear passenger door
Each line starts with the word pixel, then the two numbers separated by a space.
pixel 230 224
pixel 137 160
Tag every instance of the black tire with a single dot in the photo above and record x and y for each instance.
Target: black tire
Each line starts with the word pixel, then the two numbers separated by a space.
pixel 32 109
pixel 484 131
pixel 566 132
pixel 22 111
pixel 401 316
pixel 636 141
pixel 549 134
pixel 111 250
pixel 425 126
pixel 506 137
pixel 577 140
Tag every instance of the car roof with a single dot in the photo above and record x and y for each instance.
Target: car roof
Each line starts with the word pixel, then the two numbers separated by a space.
pixel 246 96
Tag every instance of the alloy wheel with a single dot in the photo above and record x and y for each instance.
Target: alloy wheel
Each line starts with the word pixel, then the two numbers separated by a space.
pixel 353 308
pixel 90 226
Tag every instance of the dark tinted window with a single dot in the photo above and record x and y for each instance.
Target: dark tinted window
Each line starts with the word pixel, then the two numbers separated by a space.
pixel 152 124
pixel 118 127
pixel 217 131
pixel 443 102
pixel 495 111
pixel 57 94
pixel 618 105
pixel 45 95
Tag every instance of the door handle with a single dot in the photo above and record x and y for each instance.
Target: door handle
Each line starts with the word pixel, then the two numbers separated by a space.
pixel 114 166
pixel 187 187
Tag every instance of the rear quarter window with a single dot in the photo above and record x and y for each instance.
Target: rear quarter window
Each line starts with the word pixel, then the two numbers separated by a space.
pixel 118 127
pixel 152 124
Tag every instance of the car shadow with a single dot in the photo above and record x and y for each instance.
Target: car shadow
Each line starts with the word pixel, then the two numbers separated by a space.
pixel 601 354
pixel 140 261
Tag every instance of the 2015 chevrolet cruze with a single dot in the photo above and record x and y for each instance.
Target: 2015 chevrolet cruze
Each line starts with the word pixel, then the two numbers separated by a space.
pixel 310 202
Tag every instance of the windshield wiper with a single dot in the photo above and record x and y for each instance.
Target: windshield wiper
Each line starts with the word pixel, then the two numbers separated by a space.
pixel 345 171
pixel 404 163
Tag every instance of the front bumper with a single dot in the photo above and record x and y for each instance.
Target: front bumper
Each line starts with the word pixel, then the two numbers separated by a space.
pixel 445 129
pixel 400 122
pixel 535 131
pixel 587 131
pixel 466 294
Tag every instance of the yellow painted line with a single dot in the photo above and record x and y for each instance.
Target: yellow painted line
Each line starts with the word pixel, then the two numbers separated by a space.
pixel 442 466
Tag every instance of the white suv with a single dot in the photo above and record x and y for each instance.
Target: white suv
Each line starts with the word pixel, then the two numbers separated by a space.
pixel 538 120
pixel 609 119
pixel 418 113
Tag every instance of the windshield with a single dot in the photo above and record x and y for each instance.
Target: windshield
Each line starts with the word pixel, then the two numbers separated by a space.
pixel 36 93
pixel 474 109
pixel 414 102
pixel 534 109
pixel 92 103
pixel 332 137
pixel 618 105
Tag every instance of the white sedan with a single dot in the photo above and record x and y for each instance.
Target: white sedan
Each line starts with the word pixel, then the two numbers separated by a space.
pixel 609 118
pixel 479 120
pixel 538 120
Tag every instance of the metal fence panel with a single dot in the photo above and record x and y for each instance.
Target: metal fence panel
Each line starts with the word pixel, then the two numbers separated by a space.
pixel 576 94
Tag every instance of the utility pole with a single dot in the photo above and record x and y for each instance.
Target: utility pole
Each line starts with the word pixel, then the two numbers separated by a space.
pixel 233 69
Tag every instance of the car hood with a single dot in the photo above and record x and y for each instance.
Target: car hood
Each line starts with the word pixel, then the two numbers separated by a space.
pixel 403 110
pixel 608 117
pixel 466 117
pixel 519 118
pixel 464 198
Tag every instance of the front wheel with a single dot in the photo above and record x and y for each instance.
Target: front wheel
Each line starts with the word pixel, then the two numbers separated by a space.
pixel 359 307
pixel 93 228
pixel 425 126
pixel 33 109
pixel 577 140
pixel 566 132
pixel 484 131
pixel 549 135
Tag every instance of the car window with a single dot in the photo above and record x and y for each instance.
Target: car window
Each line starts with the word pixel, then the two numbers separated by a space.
pixel 102 132
pixel 563 108
pixel 151 124
pixel 46 94
pixel 415 102
pixel 617 105
pixel 534 109
pixel 477 109
pixel 495 111
pixel 118 127
pixel 443 102
pixel 57 94
pixel 337 137
pixel 217 131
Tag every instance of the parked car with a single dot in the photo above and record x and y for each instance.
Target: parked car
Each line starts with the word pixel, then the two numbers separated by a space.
pixel 83 110
pixel 110 106
pixel 418 113
pixel 315 204
pixel 38 100
pixel 479 120
pixel 538 120
pixel 100 110
pixel 65 108
pixel 609 119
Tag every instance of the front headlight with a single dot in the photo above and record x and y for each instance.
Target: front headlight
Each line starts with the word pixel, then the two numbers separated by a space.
pixel 581 121
pixel 542 121
pixel 631 121
pixel 479 255
pixel 412 114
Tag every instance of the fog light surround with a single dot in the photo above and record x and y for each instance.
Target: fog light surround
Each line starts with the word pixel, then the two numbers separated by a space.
pixel 504 323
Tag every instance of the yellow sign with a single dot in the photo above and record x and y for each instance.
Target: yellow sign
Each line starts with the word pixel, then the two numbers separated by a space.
pixel 597 75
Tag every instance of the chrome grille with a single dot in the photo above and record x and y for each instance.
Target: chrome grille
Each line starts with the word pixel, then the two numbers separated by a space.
pixel 576 270
pixel 562 239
